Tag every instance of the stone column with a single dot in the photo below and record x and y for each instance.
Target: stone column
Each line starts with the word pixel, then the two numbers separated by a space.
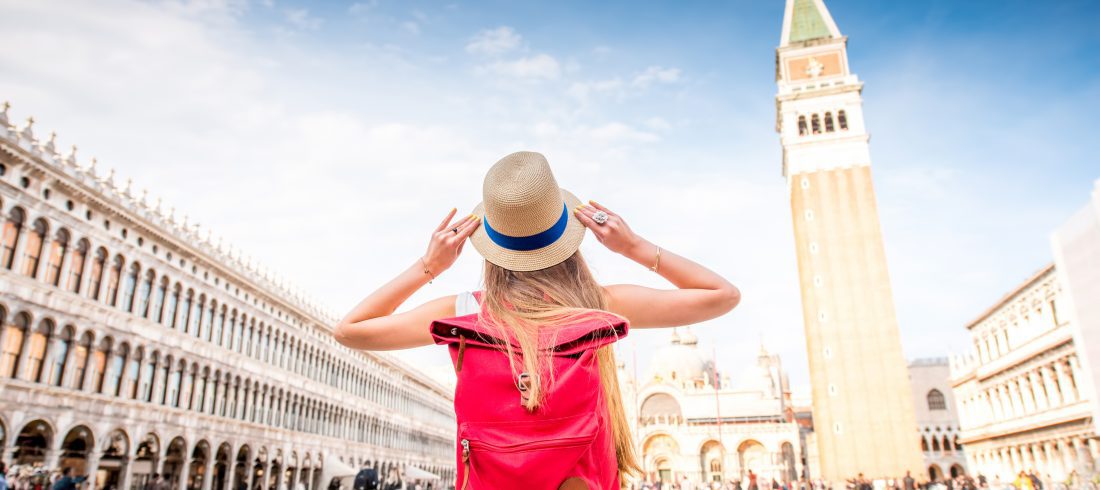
pixel 1031 405
pixel 265 479
pixel 1016 398
pixel 24 354
pixel 1068 393
pixel 43 257
pixel 185 470
pixel 89 257
pixel 1002 402
pixel 8 455
pixel 67 367
pixel 1078 377
pixel 46 371
pixel 91 467
pixel 1064 458
pixel 250 473
pixel 230 472
pixel 156 385
pixel 1029 457
pixel 21 246
pixel 208 474
pixel 1039 390
pixel 209 399
pixel 66 266
pixel 127 473
pixel 1053 394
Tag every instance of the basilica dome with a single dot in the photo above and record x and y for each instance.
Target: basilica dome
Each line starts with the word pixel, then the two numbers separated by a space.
pixel 680 359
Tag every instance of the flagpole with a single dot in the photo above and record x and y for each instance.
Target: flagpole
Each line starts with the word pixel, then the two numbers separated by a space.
pixel 717 399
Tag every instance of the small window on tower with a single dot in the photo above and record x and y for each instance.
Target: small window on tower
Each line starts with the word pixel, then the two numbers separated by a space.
pixel 828 122
pixel 815 124
pixel 802 125
pixel 842 119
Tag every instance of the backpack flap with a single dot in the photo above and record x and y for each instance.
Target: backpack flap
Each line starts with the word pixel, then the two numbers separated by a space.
pixel 594 330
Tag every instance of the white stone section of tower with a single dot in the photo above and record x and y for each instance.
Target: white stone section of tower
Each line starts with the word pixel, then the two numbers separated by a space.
pixel 862 404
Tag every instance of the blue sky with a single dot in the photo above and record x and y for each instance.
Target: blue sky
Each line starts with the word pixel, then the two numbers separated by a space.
pixel 325 138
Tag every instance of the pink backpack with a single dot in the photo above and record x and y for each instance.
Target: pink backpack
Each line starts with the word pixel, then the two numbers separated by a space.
pixel 503 446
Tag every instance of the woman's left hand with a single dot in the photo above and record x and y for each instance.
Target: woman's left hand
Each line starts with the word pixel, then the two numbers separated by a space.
pixel 447 241
pixel 614 233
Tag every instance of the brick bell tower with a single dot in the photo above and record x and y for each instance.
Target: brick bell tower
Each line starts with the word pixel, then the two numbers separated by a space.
pixel 862 405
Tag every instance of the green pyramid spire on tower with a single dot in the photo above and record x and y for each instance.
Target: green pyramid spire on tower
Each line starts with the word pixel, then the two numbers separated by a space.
pixel 808 22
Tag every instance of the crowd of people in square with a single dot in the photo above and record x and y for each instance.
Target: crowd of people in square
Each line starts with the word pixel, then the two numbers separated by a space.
pixel 1025 480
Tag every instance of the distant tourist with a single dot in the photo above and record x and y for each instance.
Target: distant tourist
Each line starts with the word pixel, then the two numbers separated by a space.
pixel 3 476
pixel 393 481
pixel 67 481
pixel 1023 482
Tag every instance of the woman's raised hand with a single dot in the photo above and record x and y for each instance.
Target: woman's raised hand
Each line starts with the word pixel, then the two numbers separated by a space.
pixel 614 233
pixel 447 241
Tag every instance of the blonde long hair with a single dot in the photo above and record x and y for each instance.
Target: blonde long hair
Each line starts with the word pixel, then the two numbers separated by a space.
pixel 520 303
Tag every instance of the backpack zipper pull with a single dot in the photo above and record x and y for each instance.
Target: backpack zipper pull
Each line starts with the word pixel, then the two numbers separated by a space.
pixel 465 463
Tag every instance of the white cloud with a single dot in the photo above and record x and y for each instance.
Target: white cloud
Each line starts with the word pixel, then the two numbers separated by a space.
pixel 617 132
pixel 411 27
pixel 581 90
pixel 657 123
pixel 494 42
pixel 302 19
pixel 360 8
pixel 656 74
pixel 537 67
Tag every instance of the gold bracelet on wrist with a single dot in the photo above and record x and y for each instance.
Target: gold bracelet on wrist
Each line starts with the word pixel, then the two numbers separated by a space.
pixel 657 264
pixel 427 270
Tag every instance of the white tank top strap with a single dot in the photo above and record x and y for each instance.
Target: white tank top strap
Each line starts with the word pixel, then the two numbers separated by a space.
pixel 466 304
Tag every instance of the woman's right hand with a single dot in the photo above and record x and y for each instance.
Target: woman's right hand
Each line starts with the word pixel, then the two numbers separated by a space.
pixel 446 243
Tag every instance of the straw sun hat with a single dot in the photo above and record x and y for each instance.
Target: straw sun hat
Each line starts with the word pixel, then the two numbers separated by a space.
pixel 527 220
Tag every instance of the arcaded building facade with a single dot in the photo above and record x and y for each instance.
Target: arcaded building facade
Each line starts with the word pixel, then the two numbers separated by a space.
pixel 130 344
pixel 1020 393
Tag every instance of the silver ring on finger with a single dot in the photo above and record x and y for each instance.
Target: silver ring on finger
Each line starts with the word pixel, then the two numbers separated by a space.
pixel 599 217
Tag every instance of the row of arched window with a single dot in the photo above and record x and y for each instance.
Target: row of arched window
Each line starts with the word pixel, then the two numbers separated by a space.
pixel 1031 321
pixel 1045 385
pixel 154 296
pixel 823 124
pixel 936 444
pixel 62 358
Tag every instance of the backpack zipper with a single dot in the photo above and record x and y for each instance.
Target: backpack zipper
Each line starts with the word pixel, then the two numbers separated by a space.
pixel 556 443
pixel 563 442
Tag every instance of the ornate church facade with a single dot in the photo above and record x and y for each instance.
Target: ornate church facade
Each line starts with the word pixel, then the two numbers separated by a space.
pixel 691 420
pixel 132 344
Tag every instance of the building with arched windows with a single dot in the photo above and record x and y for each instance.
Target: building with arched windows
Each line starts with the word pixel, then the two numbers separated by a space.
pixel 130 344
pixel 937 418
pixel 691 420
pixel 1021 393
